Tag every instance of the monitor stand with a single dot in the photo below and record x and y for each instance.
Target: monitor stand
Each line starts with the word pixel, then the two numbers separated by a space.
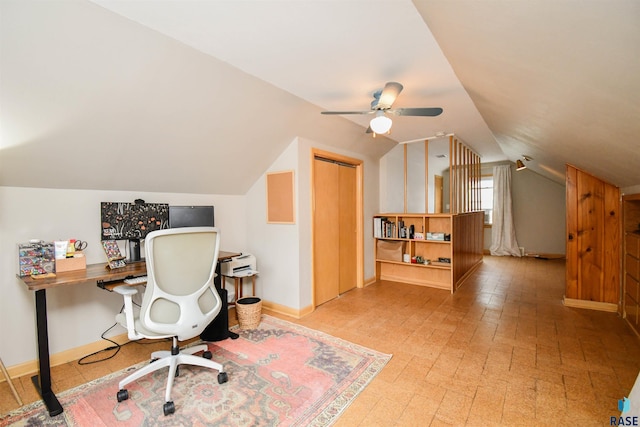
pixel 134 250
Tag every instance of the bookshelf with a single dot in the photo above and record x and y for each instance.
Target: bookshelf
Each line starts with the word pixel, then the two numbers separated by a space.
pixel 437 258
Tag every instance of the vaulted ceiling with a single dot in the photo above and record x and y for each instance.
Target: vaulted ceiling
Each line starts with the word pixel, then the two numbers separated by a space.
pixel 201 96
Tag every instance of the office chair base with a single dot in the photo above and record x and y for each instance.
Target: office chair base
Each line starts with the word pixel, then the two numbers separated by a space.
pixel 172 360
pixel 168 408
pixel 122 395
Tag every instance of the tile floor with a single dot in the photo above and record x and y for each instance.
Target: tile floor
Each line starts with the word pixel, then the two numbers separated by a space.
pixel 502 351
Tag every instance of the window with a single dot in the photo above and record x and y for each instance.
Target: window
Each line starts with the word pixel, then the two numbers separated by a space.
pixel 486 198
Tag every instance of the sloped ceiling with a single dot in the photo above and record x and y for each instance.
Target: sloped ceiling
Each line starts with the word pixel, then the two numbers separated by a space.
pixel 558 81
pixel 334 54
pixel 91 100
pixel 202 96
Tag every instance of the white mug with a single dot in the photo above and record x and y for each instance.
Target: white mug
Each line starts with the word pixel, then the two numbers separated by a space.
pixel 406 258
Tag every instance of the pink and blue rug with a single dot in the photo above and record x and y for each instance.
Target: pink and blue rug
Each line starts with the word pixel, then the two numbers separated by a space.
pixel 280 374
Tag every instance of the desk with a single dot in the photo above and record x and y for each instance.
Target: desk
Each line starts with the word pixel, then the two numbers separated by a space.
pixel 93 273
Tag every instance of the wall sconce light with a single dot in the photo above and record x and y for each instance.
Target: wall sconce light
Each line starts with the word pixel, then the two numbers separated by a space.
pixel 520 164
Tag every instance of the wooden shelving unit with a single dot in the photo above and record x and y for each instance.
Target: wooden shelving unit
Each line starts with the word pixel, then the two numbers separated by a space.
pixel 392 243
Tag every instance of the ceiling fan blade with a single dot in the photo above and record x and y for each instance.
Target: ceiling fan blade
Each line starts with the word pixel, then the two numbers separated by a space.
pixel 347 112
pixel 386 98
pixel 436 111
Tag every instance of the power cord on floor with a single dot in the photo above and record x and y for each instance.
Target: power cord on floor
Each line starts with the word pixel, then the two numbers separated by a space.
pixel 115 345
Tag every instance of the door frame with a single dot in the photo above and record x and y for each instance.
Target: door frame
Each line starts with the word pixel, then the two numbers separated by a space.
pixel 358 164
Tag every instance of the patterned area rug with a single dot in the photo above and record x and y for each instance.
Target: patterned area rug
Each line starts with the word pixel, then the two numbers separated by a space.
pixel 280 374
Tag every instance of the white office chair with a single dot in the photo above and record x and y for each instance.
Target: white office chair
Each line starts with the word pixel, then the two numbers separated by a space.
pixel 179 302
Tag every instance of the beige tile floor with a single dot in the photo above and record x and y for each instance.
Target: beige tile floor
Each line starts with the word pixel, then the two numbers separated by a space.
pixel 502 351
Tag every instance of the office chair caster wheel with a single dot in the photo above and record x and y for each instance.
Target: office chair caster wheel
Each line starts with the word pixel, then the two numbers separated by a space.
pixel 122 395
pixel 207 355
pixel 222 377
pixel 168 408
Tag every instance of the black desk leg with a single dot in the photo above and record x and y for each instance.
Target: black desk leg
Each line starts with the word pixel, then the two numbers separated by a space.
pixel 43 384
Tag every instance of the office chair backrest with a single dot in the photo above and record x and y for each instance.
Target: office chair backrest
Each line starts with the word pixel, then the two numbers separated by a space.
pixel 180 298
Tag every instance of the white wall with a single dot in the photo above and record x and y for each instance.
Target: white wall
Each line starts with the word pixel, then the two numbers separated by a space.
pixel 276 246
pixel 539 211
pixel 392 181
pixel 415 178
pixel 77 314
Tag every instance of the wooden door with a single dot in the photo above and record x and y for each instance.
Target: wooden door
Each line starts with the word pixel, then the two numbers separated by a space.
pixel 593 239
pixel 334 229
pixel 347 227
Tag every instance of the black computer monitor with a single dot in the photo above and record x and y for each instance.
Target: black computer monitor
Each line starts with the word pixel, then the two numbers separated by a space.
pixel 191 216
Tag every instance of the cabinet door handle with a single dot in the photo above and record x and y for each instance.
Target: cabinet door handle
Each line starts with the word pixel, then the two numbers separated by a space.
pixel 570 236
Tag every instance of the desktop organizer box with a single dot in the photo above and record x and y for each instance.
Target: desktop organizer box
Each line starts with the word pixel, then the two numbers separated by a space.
pixel 35 258
pixel 78 262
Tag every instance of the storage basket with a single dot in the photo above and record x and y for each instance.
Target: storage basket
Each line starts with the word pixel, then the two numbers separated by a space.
pixel 390 250
pixel 249 312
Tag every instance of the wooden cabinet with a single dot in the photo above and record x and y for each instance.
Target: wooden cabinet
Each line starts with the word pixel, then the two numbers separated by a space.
pixel 593 242
pixel 442 248
pixel 631 262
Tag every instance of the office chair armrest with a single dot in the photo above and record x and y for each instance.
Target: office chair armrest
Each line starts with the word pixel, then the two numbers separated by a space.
pixel 127 292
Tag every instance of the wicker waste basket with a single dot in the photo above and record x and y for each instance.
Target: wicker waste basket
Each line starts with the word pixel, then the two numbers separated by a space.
pixel 249 311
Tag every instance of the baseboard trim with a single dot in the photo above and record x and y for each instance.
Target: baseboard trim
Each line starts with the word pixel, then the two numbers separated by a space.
pixel 71 355
pixel 287 311
pixel 369 281
pixel 487 252
pixel 546 256
pixel 590 305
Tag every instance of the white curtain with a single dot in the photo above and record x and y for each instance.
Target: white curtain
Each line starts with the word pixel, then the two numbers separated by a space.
pixel 503 232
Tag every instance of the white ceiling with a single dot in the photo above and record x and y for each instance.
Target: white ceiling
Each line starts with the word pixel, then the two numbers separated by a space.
pixel 85 82
pixel 558 81
pixel 334 54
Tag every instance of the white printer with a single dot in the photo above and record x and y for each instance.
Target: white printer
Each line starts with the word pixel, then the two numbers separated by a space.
pixel 239 266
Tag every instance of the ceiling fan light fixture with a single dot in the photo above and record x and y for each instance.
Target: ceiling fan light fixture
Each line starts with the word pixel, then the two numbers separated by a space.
pixel 380 124
pixel 520 165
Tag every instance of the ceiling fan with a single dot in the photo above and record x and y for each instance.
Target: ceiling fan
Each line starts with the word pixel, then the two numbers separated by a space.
pixel 381 105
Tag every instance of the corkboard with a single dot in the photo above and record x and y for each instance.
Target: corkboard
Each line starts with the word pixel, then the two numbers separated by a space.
pixel 280 190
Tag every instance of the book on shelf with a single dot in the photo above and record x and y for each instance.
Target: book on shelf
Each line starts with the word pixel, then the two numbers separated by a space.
pixel 377 227
pixel 385 229
pixel 114 256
